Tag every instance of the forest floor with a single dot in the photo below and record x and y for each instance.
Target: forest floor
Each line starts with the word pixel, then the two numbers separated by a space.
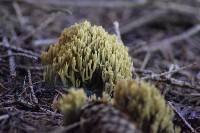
pixel 163 38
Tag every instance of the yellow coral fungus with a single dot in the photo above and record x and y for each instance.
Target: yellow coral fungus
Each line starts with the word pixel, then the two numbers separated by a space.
pixel 71 104
pixel 145 105
pixel 105 98
pixel 87 56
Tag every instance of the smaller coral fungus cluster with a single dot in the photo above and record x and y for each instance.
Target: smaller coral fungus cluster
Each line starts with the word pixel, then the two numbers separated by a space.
pixel 71 104
pixel 144 104
pixel 138 107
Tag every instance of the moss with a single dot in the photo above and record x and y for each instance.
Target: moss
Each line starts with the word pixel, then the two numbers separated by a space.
pixel 145 105
pixel 71 104
pixel 87 56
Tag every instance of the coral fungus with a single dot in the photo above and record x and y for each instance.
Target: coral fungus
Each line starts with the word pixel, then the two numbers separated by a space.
pixel 71 104
pixel 145 105
pixel 87 56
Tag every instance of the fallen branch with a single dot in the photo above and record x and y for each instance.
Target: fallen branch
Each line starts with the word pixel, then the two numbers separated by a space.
pixel 34 99
pixel 182 118
pixel 14 48
pixel 12 64
pixel 19 54
pixel 117 31
pixel 146 60
pixel 181 8
pixel 39 68
pixel 168 72
pixel 50 112
pixel 89 3
pixel 19 14
pixel 70 127
pixel 2 117
pixel 44 24
pixel 2 87
pixel 24 103
pixel 176 82
pixel 44 42
pixel 163 77
pixel 168 41
pixel 136 23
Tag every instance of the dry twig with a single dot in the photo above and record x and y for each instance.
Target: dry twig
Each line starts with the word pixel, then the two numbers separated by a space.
pixel 19 14
pixel 2 87
pixel 12 64
pixel 146 60
pixel 117 31
pixel 19 54
pixel 71 127
pixel 46 22
pixel 168 41
pixel 89 3
pixel 163 77
pixel 30 67
pixel 182 118
pixel 168 72
pixel 178 83
pixel 142 21
pixel 33 96
pixel 181 8
pixel 18 49
pixel 2 117
pixel 44 42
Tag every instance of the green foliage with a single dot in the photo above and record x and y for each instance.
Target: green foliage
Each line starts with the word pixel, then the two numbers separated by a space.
pixel 87 56
pixel 145 105
pixel 71 104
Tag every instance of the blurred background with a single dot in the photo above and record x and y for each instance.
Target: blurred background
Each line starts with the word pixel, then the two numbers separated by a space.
pixel 169 27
